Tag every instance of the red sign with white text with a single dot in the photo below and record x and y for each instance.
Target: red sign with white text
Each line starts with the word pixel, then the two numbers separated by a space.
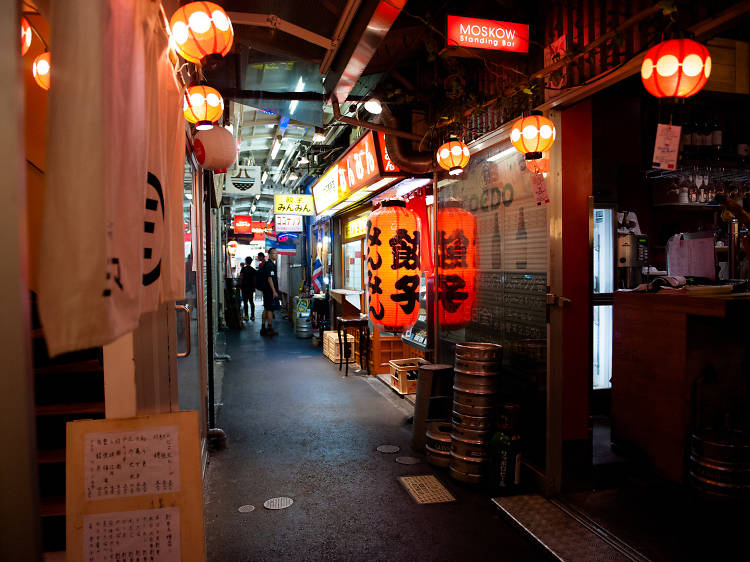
pixel 488 34
pixel 388 166
pixel 358 167
pixel 243 225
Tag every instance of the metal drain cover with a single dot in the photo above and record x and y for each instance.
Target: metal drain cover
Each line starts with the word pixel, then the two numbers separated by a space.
pixel 278 503
pixel 246 508
pixel 426 489
pixel 389 448
pixel 408 460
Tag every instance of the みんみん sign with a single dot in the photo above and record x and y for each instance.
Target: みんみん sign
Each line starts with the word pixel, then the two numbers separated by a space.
pixel 488 34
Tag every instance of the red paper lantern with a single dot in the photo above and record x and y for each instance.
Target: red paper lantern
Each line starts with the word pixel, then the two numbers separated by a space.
pixel 25 36
pixel 677 68
pixel 203 106
pixel 41 70
pixel 215 149
pixel 199 29
pixel 533 135
pixel 453 156
pixel 457 265
pixel 393 266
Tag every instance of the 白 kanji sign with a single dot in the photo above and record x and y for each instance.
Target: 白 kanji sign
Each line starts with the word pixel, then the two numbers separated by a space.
pixel 290 204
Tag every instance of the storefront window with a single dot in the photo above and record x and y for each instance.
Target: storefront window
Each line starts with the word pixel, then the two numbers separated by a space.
pixel 353 265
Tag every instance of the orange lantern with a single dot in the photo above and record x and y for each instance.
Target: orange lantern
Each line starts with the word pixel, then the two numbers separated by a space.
pixel 393 266
pixel 25 36
pixel 199 29
pixel 453 156
pixel 676 68
pixel 203 106
pixel 41 69
pixel 533 135
pixel 457 265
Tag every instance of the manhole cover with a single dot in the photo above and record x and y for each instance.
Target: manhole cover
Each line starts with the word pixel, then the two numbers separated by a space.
pixel 426 489
pixel 408 460
pixel 278 503
pixel 246 508
pixel 389 448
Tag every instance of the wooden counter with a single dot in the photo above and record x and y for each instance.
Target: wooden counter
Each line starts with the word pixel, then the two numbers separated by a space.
pixel 662 342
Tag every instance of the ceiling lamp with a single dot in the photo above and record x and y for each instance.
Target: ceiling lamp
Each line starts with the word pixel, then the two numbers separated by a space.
pixel 533 135
pixel 199 29
pixel 373 106
pixel 677 68
pixel 25 36
pixel 393 266
pixel 41 70
pixel 453 156
pixel 319 136
pixel 203 106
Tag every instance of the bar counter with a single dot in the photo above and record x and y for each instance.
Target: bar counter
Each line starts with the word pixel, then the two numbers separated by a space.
pixel 678 362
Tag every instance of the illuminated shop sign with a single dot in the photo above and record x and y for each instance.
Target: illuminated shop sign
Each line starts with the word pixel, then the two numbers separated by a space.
pixel 361 167
pixel 288 223
pixel 488 34
pixel 242 225
pixel 356 227
pixel 289 204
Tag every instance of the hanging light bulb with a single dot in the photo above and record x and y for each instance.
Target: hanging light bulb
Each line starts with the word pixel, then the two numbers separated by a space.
pixel 203 106
pixel 199 29
pixel 41 70
pixel 25 36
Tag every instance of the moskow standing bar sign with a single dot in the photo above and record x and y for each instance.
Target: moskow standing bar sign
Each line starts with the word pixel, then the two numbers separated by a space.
pixel 488 34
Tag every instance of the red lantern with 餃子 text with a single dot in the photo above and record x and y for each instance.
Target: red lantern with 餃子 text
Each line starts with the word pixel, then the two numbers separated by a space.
pixel 199 29
pixel 457 265
pixel 677 68
pixel 393 266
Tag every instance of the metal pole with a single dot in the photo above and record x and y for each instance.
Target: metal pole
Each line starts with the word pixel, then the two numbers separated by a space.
pixel 436 317
pixel 208 186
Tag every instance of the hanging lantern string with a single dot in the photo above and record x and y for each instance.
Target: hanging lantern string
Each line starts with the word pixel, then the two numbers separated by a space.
pixel 34 29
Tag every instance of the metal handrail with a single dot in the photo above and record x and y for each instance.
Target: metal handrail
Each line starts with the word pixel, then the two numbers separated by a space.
pixel 186 309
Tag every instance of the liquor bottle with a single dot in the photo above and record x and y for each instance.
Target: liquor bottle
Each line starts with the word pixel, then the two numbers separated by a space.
pixel 505 453
pixel 521 242
pixel 716 135
pixel 496 245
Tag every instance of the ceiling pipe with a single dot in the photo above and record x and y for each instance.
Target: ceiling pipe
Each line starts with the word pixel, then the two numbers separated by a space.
pixel 373 126
pixel 345 21
pixel 400 152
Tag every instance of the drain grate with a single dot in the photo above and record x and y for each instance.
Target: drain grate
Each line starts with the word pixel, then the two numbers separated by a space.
pixel 246 508
pixel 389 448
pixel 426 489
pixel 278 503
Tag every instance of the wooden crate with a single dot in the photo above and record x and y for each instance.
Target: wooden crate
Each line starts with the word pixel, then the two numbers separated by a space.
pixel 400 368
pixel 331 345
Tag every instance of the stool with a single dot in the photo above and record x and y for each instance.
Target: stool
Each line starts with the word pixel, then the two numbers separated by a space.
pixel 361 324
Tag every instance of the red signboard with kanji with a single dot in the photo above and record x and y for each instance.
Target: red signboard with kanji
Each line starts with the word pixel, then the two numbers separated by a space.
pixel 243 224
pixel 488 34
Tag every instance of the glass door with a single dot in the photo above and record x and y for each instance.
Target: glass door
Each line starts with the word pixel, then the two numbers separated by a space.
pixel 602 299
pixel 353 270
pixel 191 317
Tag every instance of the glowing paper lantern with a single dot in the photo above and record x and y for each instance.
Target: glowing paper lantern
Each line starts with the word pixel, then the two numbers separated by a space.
pixel 215 149
pixel 457 265
pixel 539 166
pixel 453 156
pixel 25 36
pixel 676 68
pixel 393 266
pixel 199 29
pixel 533 135
pixel 41 69
pixel 203 106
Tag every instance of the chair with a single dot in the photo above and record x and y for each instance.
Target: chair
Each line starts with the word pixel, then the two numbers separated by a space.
pixel 345 350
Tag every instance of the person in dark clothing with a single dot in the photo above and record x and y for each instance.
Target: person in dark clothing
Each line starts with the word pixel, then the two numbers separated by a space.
pixel 270 290
pixel 247 285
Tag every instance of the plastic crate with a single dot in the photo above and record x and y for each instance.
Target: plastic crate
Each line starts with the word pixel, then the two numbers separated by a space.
pixel 400 371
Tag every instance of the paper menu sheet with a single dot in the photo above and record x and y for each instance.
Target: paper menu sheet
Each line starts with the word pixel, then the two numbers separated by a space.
pixel 691 257
pixel 146 534
pixel 131 463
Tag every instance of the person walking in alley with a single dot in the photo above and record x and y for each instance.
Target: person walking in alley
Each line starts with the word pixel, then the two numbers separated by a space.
pixel 248 275
pixel 270 288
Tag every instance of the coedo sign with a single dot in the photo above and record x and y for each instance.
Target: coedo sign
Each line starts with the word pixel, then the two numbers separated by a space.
pixel 488 34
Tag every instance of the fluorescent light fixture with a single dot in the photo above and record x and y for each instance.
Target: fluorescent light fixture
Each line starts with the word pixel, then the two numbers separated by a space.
pixel 429 200
pixel 373 106
pixel 188 195
pixel 410 184
pixel 252 208
pixel 275 145
pixel 304 160
pixel 257 195
pixel 501 154
pixel 293 176
pixel 299 88
pixel 319 136
pixel 264 177
pixel 271 125
pixel 358 196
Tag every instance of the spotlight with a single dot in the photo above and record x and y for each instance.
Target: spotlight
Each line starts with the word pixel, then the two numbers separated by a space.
pixel 373 106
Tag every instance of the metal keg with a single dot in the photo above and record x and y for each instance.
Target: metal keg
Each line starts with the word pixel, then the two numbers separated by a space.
pixel 720 463
pixel 438 443
pixel 471 410
pixel 469 448
pixel 473 422
pixel 304 327
pixel 468 469
pixel 477 351
pixel 469 399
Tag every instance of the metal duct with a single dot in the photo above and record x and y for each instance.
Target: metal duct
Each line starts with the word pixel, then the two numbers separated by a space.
pixel 400 151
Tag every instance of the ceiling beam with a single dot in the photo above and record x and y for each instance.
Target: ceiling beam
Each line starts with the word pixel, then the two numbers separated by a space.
pixel 343 25
pixel 275 22
pixel 239 95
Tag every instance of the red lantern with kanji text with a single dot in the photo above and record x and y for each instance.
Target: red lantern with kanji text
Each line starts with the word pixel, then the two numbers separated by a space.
pixel 199 29
pixel 25 36
pixel 533 135
pixel 203 106
pixel 677 68
pixel 453 156
pixel 457 265
pixel 393 266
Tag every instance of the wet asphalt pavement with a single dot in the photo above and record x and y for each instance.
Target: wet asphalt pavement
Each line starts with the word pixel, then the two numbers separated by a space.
pixel 297 428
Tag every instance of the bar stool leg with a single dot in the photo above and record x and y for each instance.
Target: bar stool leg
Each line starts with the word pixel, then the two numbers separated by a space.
pixel 347 353
pixel 341 347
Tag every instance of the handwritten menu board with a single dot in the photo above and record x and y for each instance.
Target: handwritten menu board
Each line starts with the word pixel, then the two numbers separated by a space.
pixel 134 489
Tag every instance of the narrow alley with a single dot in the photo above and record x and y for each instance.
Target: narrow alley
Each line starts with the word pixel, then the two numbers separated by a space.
pixel 297 428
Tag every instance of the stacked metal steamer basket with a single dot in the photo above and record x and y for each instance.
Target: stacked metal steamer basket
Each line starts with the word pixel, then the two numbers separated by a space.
pixel 475 390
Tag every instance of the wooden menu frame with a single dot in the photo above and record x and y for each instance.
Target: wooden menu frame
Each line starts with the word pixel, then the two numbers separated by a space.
pixel 189 497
